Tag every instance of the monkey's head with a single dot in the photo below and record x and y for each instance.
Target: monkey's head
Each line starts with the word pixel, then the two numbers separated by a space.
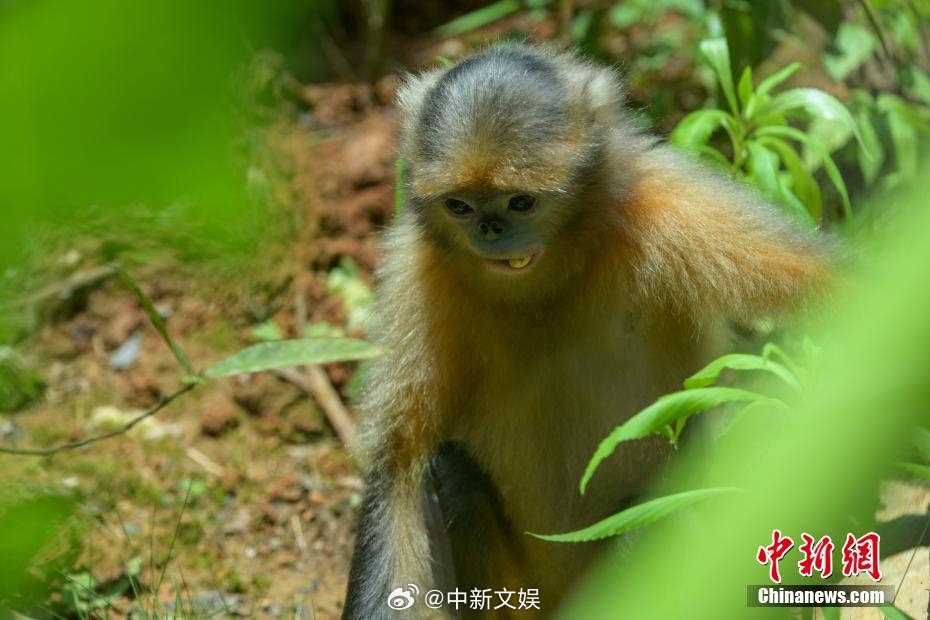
pixel 504 153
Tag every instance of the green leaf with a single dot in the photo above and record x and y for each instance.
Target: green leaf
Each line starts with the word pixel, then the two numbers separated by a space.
pixel 479 18
pixel 855 44
pixel 696 128
pixel 284 353
pixel 716 52
pixel 792 205
pixel 625 14
pixel 19 385
pixel 745 88
pixel 266 331
pixel 753 408
pixel 637 516
pixel 583 28
pixel 716 157
pixel 26 528
pixel 771 349
pixel 157 320
pixel 893 613
pixel 739 361
pixel 903 123
pixel 920 84
pixel 918 471
pixel 763 168
pixel 870 153
pixel 666 410
pixel 766 85
pixel 921 440
pixel 829 166
pixel 830 133
pixel 802 181
pixel 816 103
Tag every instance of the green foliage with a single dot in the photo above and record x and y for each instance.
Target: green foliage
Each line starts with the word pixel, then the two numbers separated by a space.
pixel 345 282
pixel 884 39
pixel 83 596
pixel 854 44
pixel 271 355
pixel 19 386
pixel 479 18
pixel 892 130
pixel 148 118
pixel 710 374
pixel 637 516
pixel 805 471
pixel 267 331
pixel 275 353
pixel 667 416
pixel 756 122
pixel 27 527
pixel 158 321
pixel 891 612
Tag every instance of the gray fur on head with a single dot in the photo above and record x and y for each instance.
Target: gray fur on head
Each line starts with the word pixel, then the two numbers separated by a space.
pixel 513 115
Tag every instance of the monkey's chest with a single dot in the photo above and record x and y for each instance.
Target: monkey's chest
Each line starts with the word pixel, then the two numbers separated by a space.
pixel 536 415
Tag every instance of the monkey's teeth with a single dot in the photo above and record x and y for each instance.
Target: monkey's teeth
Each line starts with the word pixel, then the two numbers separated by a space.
pixel 519 263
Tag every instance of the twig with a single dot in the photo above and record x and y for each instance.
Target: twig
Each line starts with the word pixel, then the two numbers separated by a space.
pixel 126 427
pixel 298 533
pixel 314 382
pixel 204 461
pixel 921 30
pixel 72 282
pixel 873 19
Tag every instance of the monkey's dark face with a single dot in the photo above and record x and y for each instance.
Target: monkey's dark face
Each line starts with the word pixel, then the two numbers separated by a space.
pixel 504 229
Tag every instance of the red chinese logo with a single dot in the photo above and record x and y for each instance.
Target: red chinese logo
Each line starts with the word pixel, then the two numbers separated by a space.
pixel 817 556
pixel 773 553
pixel 860 555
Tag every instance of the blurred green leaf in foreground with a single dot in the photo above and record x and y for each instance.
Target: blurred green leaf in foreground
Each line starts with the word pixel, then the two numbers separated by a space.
pixel 108 104
pixel 806 472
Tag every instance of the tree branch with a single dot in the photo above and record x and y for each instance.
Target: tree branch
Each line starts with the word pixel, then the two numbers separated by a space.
pixel 119 431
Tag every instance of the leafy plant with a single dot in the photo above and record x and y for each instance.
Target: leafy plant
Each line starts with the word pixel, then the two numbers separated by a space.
pixel 893 116
pixel 486 15
pixel 668 415
pixel 762 141
pixel 270 355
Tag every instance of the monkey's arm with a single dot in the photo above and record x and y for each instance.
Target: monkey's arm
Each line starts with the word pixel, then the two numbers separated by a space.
pixel 401 405
pixel 393 546
pixel 700 242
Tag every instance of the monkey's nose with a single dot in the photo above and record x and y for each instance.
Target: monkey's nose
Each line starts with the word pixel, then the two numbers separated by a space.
pixel 491 230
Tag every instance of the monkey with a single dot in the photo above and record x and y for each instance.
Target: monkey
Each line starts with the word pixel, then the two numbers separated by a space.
pixel 554 270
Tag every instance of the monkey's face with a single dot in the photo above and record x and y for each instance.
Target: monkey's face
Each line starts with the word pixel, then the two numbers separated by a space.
pixel 504 230
pixel 500 153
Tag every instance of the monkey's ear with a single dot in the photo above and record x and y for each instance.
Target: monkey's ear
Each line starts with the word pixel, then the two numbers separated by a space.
pixel 412 93
pixel 604 95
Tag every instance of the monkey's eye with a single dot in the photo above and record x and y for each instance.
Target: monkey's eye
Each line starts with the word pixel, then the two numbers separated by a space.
pixel 521 203
pixel 458 207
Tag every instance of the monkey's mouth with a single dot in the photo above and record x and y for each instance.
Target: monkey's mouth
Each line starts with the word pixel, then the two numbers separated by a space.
pixel 514 264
